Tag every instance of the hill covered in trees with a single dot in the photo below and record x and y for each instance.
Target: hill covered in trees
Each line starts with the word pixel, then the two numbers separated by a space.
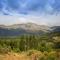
pixel 26 42
pixel 44 43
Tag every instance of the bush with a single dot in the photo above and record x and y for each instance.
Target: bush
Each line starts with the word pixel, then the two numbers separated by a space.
pixel 4 50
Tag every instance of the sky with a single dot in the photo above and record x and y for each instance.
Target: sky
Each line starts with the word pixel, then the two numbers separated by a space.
pixel 43 12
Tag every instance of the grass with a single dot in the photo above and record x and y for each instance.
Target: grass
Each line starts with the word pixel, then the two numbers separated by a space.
pixel 30 55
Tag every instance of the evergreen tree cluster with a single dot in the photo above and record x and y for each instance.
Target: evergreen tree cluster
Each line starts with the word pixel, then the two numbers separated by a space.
pixel 46 42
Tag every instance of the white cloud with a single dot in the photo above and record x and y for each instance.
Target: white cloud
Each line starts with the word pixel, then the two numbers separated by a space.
pixel 42 20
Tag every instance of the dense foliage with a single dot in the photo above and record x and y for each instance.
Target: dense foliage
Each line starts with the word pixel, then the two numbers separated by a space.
pixel 46 42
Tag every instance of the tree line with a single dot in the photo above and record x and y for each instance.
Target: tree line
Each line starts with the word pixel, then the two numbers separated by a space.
pixel 27 42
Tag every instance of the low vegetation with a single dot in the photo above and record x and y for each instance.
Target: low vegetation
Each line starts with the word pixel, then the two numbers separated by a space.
pixel 42 47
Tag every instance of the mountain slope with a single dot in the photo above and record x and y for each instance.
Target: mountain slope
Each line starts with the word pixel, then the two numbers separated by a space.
pixel 56 29
pixel 28 28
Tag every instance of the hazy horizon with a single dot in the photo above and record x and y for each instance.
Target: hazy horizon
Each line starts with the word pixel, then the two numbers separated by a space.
pixel 42 12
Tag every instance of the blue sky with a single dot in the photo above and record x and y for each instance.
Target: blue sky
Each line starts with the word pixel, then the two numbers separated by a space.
pixel 38 11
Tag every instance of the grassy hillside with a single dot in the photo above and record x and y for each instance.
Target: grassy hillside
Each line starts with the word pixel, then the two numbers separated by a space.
pixel 48 45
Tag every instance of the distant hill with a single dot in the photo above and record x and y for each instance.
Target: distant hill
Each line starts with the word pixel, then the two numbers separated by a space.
pixel 56 28
pixel 28 28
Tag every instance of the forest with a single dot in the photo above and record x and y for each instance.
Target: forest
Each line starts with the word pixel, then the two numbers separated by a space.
pixel 49 42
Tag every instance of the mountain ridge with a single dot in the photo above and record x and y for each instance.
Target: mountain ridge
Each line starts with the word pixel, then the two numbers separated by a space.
pixel 27 28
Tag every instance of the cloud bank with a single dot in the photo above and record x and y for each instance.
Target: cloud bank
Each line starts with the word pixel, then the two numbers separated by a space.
pixel 51 20
pixel 26 6
pixel 22 11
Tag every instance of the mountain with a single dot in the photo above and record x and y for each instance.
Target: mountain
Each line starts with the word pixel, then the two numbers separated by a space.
pixel 56 28
pixel 27 28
